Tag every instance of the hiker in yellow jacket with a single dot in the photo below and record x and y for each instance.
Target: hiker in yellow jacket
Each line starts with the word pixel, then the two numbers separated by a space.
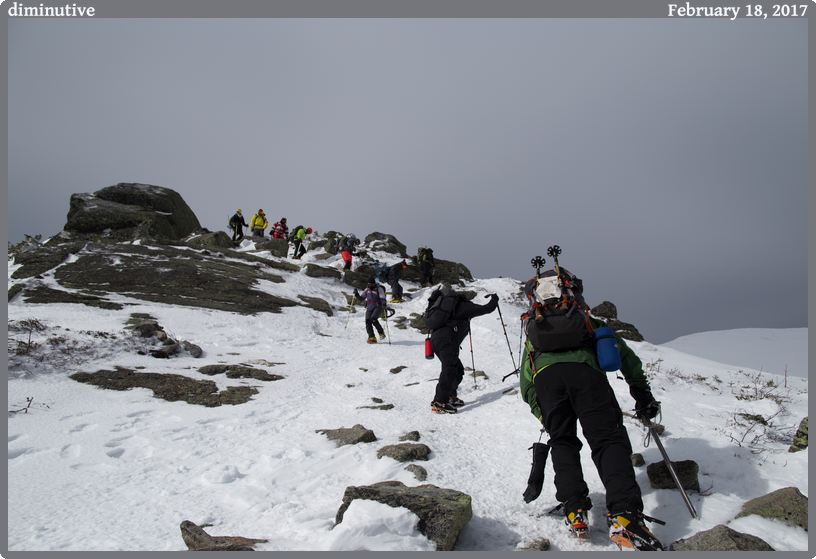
pixel 258 224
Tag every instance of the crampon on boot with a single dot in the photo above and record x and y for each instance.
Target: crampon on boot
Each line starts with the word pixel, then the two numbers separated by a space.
pixel 628 530
pixel 577 522
pixel 439 407
pixel 372 340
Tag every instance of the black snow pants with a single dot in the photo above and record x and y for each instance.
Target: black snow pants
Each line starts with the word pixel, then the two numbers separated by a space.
pixel 372 316
pixel 447 350
pixel 396 288
pixel 571 392
pixel 427 273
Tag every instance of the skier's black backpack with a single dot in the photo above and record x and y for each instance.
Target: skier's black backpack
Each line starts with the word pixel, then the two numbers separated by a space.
pixel 441 308
pixel 293 234
pixel 559 317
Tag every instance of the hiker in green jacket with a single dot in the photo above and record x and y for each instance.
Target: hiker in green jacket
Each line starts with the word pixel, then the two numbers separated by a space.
pixel 566 386
pixel 299 238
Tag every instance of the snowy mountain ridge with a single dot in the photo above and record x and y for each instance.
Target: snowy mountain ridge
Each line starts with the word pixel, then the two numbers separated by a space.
pixel 79 455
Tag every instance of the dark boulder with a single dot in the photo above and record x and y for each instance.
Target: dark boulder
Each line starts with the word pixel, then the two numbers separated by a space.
pixel 385 243
pixel 787 505
pixel 132 210
pixel 354 435
pixel 206 239
pixel 405 452
pixel 686 470
pixel 315 271
pixel 196 539
pixel 625 330
pixel 721 538
pixel 442 512
pixel 605 310
pixel 800 439
pixel 278 247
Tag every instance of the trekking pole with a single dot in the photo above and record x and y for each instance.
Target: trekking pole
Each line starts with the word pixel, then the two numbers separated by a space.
pixel 385 314
pixel 668 463
pixel 510 349
pixel 553 253
pixel 349 314
pixel 472 361
pixel 537 263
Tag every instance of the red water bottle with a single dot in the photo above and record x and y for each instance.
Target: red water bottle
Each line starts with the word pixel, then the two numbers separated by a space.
pixel 428 351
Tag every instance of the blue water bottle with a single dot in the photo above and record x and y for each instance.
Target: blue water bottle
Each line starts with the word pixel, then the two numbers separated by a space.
pixel 606 348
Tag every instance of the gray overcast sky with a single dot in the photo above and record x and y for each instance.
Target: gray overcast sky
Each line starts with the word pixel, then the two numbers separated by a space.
pixel 667 157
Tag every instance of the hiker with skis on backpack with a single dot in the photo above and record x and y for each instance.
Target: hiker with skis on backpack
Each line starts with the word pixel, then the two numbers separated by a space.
pixel 563 383
pixel 446 339
pixel 374 298
pixel 393 281
pixel 258 224
pixel 238 223
pixel 280 230
pixel 298 237
pixel 427 265
pixel 346 247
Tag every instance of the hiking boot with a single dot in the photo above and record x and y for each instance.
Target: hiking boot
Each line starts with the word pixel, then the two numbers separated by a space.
pixel 439 407
pixel 455 402
pixel 382 336
pixel 577 522
pixel 372 340
pixel 628 530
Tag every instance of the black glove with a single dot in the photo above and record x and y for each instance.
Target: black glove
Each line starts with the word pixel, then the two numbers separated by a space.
pixel 356 293
pixel 646 407
pixel 536 480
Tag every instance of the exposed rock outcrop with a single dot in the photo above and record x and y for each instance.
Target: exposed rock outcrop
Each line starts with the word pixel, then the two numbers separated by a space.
pixel 130 211
pixel 172 388
pixel 354 435
pixel 787 505
pixel 196 539
pixel 800 439
pixel 442 512
pixel 721 538
pixel 405 452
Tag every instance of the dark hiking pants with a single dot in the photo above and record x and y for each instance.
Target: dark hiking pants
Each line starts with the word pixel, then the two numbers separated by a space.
pixel 447 350
pixel 571 392
pixel 396 289
pixel 372 320
pixel 427 273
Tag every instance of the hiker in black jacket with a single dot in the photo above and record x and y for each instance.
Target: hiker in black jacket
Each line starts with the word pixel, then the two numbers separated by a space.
pixel 445 342
pixel 237 221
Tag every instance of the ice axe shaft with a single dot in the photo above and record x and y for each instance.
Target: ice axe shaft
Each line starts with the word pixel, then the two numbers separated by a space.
pixel 668 463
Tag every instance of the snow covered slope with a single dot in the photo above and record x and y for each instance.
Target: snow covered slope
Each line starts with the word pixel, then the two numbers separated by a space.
pixel 92 469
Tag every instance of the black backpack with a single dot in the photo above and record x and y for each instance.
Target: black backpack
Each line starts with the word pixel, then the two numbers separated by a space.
pixel 559 317
pixel 383 273
pixel 294 232
pixel 441 308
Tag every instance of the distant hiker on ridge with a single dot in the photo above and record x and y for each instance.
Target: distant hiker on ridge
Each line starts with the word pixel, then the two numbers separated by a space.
pixel 562 381
pixel 298 238
pixel 258 224
pixel 393 281
pixel 427 265
pixel 374 297
pixel 445 342
pixel 238 223
pixel 280 230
